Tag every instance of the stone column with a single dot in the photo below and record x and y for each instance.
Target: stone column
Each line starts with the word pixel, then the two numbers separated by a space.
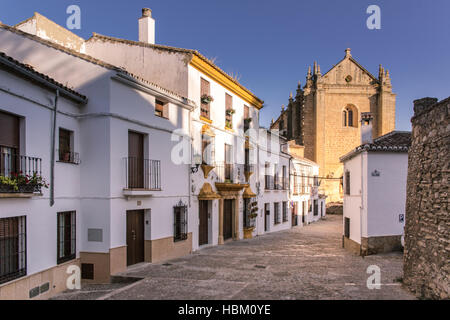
pixel 236 219
pixel 221 203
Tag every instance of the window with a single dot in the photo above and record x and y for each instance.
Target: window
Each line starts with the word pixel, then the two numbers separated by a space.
pixel 246 118
pixel 228 152
pixel 161 109
pixel 268 177
pixel 285 211
pixel 309 206
pixel 229 111
pixel 349 117
pixel 347 182
pixel 208 152
pixel 180 225
pixel 13 248
pixel 276 210
pixel 66 236
pixel 284 181
pixel 65 152
pixel 205 98
pixel 347 227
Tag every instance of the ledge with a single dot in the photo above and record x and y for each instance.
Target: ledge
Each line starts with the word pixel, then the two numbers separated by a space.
pixel 129 193
pixel 230 186
pixel 20 195
pixel 206 119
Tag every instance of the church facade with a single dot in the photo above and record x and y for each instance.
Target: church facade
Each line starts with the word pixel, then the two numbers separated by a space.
pixel 324 116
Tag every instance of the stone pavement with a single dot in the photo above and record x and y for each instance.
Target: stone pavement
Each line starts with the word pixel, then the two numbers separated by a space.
pixel 301 263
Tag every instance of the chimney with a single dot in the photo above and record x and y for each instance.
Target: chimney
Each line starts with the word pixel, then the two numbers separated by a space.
pixel 421 105
pixel 366 128
pixel 147 27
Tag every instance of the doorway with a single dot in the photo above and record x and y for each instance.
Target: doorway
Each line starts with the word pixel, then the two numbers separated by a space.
pixel 203 223
pixel 228 219
pixel 135 160
pixel 135 236
pixel 266 216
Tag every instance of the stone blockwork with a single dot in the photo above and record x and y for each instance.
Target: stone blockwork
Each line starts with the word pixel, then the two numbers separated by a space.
pixel 427 229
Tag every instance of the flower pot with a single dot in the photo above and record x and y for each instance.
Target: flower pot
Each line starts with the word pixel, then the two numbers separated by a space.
pixel 248 232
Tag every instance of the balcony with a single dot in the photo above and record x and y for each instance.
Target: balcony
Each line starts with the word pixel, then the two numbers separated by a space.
pixel 230 176
pixel 143 177
pixel 269 182
pixel 68 157
pixel 20 176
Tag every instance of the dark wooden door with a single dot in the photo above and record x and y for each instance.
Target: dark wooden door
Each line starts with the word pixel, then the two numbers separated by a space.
pixel 266 216
pixel 227 219
pixel 135 236
pixel 135 160
pixel 203 225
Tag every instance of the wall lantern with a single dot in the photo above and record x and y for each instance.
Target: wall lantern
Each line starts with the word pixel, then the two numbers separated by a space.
pixel 197 161
pixel 375 173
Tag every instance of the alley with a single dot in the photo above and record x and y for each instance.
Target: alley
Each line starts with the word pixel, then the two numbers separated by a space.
pixel 301 263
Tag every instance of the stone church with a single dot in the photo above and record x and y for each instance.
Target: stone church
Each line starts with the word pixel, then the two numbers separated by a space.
pixel 324 116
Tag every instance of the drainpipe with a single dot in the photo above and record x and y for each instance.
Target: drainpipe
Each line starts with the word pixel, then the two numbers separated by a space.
pixel 52 153
pixel 362 203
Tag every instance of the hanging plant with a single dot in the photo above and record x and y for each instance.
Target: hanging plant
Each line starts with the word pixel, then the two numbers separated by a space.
pixel 206 99
pixel 230 112
pixel 248 120
pixel 228 124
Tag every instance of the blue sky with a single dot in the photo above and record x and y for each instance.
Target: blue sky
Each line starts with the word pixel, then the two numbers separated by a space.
pixel 271 43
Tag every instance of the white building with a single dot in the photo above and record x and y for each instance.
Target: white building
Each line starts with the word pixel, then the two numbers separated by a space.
pixel 307 204
pixel 273 192
pixel 129 206
pixel 375 176
pixel 37 241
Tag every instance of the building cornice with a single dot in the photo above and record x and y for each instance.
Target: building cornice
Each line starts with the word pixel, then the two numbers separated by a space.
pixel 213 72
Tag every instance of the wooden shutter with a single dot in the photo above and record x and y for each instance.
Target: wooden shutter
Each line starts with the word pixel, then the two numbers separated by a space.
pixel 228 101
pixel 9 130
pixel 246 112
pixel 204 89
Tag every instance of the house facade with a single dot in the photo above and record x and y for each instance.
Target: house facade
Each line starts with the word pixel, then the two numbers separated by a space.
pixel 307 203
pixel 31 181
pixel 375 191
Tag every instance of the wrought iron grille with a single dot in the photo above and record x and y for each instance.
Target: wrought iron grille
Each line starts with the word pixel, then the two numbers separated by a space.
pixel 68 156
pixel 143 173
pixel 276 211
pixel 180 225
pixel 285 211
pixel 13 248
pixel 66 236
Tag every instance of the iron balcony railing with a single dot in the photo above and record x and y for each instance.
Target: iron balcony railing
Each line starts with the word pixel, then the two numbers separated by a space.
pixel 23 173
pixel 226 172
pixel 143 173
pixel 68 156
pixel 269 182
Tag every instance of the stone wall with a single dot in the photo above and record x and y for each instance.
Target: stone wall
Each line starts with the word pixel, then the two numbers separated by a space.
pixel 427 229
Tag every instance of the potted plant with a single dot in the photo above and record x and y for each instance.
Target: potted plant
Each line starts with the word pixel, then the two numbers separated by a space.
pixel 22 183
pixel 228 124
pixel 206 99
pixel 230 112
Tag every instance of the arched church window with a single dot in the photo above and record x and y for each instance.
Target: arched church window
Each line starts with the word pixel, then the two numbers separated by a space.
pixel 349 117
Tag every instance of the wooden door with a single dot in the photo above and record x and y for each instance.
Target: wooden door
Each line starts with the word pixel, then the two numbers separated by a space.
pixel 135 236
pixel 135 160
pixel 266 216
pixel 294 214
pixel 203 237
pixel 228 219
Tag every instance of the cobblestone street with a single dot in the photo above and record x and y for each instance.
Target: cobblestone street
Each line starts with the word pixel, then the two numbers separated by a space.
pixel 301 263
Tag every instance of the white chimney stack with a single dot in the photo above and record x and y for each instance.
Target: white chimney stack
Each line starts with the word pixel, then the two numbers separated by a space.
pixel 366 128
pixel 147 27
